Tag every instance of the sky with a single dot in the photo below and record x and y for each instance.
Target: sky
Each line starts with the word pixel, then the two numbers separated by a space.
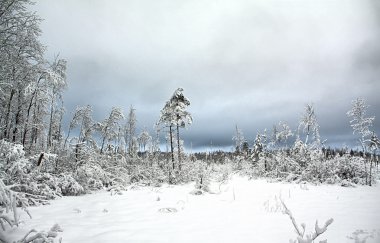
pixel 243 62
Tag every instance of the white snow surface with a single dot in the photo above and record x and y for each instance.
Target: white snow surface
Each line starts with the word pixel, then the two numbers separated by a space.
pixel 242 211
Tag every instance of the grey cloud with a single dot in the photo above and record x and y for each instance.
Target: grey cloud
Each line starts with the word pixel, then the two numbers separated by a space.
pixel 250 63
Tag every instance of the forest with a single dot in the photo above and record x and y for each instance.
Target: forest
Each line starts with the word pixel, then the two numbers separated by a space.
pixel 41 159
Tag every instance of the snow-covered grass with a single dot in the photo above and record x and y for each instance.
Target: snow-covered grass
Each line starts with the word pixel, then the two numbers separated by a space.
pixel 242 211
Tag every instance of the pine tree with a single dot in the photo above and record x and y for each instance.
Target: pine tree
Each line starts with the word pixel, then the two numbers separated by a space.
pixel 174 115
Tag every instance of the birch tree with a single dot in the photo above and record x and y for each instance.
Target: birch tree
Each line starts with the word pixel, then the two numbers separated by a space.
pixel 109 128
pixel 144 139
pixel 130 131
pixel 309 125
pixel 360 123
pixel 21 54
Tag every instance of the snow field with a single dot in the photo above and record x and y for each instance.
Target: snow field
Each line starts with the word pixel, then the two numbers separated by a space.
pixel 242 211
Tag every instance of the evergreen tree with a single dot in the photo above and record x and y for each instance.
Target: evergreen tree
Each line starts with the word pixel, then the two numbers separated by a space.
pixel 174 115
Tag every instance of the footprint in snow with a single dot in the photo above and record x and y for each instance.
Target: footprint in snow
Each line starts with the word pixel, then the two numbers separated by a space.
pixel 76 210
pixel 167 210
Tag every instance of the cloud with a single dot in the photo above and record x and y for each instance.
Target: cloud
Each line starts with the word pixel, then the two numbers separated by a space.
pixel 251 63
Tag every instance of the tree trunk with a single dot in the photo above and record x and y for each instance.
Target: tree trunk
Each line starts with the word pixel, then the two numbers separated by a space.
pixel 7 115
pixel 60 126
pixel 28 112
pixel 307 134
pixel 103 141
pixel 171 144
pixel 370 173
pixel 17 116
pixel 179 149
pixel 50 123
pixel 67 137
pixel 34 132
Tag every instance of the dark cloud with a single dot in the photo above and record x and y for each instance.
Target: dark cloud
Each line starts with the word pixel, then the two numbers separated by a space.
pixel 250 63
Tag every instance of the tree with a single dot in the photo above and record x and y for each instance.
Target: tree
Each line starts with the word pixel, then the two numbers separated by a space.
pixel 143 139
pixel 108 129
pixel 309 125
pixel 239 139
pixel 83 117
pixel 360 123
pixel 284 133
pixel 374 144
pixel 21 57
pixel 181 117
pixel 130 131
pixel 245 148
pixel 259 144
pixel 57 83
pixel 174 115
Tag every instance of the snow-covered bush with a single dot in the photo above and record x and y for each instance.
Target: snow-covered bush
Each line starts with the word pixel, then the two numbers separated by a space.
pixel 91 176
pixel 300 153
pixel 201 175
pixel 69 186
pixel 351 168
pixel 156 174
pixel 10 152
pixel 22 176
pixel 9 200
pixel 42 237
pixel 49 162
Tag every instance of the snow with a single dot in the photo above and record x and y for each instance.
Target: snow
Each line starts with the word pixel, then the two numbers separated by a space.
pixel 242 211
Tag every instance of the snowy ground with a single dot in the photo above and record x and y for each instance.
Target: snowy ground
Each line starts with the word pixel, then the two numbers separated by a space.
pixel 243 211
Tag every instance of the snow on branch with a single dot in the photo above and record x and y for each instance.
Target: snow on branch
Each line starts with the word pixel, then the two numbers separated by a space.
pixel 309 238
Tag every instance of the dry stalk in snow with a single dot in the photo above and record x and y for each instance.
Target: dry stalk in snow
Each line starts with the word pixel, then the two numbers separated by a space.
pixel 309 238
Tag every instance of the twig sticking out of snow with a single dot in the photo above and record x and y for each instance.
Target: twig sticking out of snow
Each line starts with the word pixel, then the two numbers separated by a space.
pixel 310 237
pixel 274 206
pixel 42 235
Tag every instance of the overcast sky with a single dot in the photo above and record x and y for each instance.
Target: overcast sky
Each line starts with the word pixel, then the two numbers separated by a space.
pixel 250 63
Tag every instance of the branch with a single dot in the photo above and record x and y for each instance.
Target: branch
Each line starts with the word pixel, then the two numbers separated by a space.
pixel 309 238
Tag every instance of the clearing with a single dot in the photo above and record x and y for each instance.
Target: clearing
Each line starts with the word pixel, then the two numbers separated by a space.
pixel 241 211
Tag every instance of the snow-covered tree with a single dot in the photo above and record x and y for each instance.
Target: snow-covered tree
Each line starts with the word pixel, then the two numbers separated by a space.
pixel 284 133
pixel 57 83
pixel 175 115
pixel 130 131
pixel 374 144
pixel 259 146
pixel 109 128
pixel 144 139
pixel 156 141
pixel 239 139
pixel 280 135
pixel 309 125
pixel 360 123
pixel 21 56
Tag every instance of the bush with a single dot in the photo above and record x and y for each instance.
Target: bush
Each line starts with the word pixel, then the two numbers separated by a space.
pixel 69 186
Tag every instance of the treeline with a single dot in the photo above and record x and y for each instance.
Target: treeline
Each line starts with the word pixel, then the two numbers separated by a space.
pixel 273 154
pixel 31 87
